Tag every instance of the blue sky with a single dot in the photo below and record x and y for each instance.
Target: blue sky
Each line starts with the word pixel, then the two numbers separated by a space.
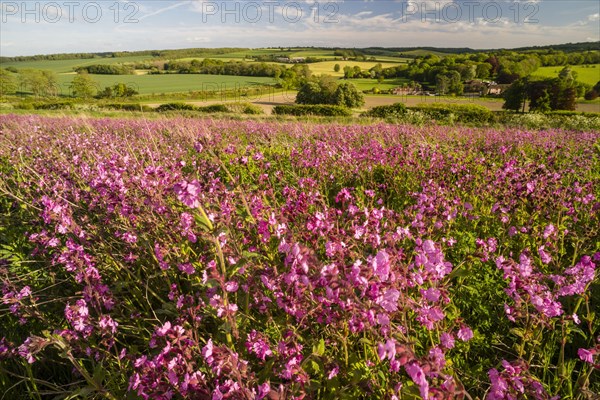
pixel 43 27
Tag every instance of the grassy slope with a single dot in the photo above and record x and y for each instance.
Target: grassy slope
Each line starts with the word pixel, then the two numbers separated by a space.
pixel 66 66
pixel 586 74
pixel 147 84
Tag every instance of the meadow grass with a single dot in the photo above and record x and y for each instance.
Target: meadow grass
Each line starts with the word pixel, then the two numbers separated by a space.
pixel 173 83
pixel 589 74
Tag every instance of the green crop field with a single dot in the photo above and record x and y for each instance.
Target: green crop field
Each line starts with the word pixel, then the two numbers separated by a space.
pixel 65 66
pixel 589 74
pixel 367 84
pixel 148 84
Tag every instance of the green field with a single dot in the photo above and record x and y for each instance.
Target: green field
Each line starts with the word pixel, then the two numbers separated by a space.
pixel 589 74
pixel 65 66
pixel 148 84
pixel 367 84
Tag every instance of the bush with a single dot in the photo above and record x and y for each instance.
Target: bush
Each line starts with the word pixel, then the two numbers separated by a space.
pixel 461 113
pixel 213 108
pixel 54 105
pixel 324 110
pixel 24 105
pixel 591 95
pixel 395 110
pixel 128 107
pixel 176 107
pixel 252 109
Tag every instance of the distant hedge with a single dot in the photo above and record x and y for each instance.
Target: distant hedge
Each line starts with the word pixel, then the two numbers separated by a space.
pixel 465 113
pixel 395 110
pixel 128 107
pixel 45 105
pixel 176 107
pixel 239 108
pixel 325 110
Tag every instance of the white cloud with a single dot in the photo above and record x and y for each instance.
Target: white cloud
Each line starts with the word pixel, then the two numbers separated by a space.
pixel 363 14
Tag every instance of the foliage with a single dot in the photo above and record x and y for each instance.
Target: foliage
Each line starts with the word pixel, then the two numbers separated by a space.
pixel 244 108
pixel 116 91
pixel 464 113
pixel 325 110
pixel 395 110
pixel 326 91
pixel 39 82
pixel 127 107
pixel 106 69
pixel 83 86
pixel 8 82
pixel 516 95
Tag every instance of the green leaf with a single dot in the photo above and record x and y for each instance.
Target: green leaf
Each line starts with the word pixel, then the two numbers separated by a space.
pixel 99 374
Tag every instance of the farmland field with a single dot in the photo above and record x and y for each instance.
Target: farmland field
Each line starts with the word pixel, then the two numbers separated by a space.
pixel 221 259
pixel 326 67
pixel 172 83
pixel 589 74
pixel 67 66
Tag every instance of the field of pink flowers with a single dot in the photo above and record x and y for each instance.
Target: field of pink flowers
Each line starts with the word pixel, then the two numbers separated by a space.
pixel 217 259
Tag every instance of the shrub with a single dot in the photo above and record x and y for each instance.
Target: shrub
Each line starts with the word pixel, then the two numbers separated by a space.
pixel 128 107
pixel 591 95
pixel 176 107
pixel 324 110
pixel 252 109
pixel 395 110
pixel 53 105
pixel 462 113
pixel 213 108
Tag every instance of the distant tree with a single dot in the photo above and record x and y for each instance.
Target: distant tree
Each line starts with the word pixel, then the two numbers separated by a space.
pixel 515 96
pixel 348 72
pixel 483 70
pixel 346 94
pixel 311 93
pixel 449 83
pixel 40 83
pixel 507 77
pixel 441 84
pixel 83 86
pixel 117 90
pixel 337 67
pixel 8 82
pixel 494 63
pixel 325 90
pixel 543 103
pixel 593 93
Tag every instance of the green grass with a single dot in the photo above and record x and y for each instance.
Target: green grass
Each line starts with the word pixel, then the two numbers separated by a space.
pixel 148 84
pixel 589 74
pixel 367 84
pixel 66 66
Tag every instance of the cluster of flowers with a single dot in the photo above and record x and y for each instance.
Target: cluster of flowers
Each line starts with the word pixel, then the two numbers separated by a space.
pixel 249 260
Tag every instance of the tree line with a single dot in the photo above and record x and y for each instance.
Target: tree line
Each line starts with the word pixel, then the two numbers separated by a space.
pixel 550 94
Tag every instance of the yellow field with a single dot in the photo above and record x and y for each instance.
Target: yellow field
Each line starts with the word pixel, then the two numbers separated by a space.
pixel 326 67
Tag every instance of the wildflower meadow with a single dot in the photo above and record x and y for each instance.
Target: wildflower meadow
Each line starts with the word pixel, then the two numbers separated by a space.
pixel 182 258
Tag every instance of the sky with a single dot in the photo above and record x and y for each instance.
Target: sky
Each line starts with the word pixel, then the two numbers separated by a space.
pixel 68 26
